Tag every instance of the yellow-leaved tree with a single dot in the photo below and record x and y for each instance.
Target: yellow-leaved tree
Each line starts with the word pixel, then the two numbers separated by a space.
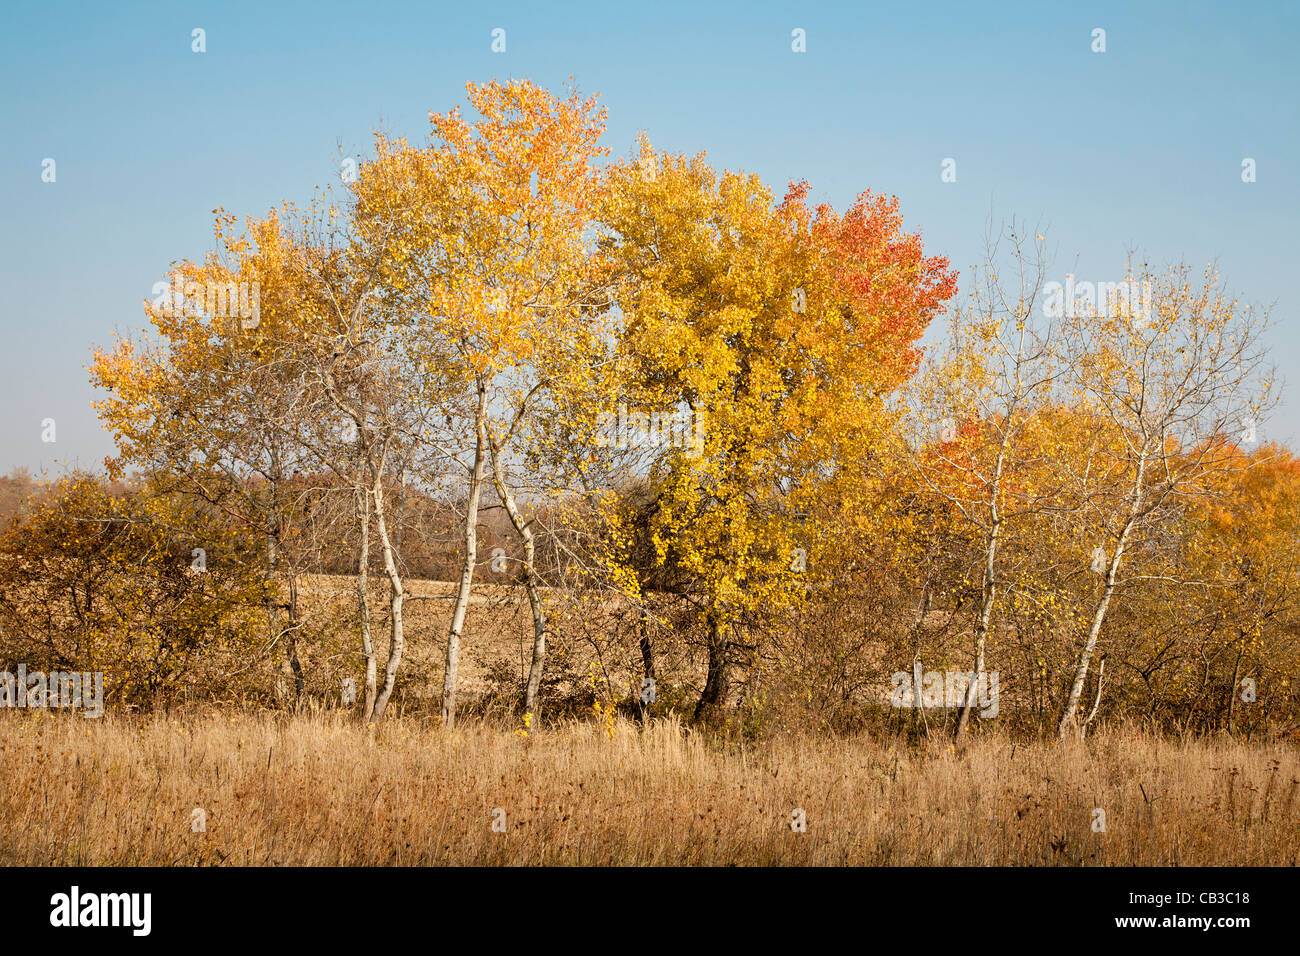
pixel 777 330
pixel 488 270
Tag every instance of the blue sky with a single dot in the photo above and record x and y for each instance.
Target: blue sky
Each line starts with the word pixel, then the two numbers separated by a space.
pixel 1140 146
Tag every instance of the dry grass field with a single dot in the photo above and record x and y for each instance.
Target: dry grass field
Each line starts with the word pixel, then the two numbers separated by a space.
pixel 319 789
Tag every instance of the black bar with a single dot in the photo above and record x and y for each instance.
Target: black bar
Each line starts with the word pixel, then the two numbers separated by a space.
pixel 664 907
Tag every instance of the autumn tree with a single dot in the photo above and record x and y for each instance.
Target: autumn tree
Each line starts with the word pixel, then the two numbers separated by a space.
pixel 779 328
pixel 492 275
pixel 1178 373
pixel 210 402
pixel 97 577
pixel 976 411
pixel 1243 552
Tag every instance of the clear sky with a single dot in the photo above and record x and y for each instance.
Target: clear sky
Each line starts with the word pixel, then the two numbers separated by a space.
pixel 1140 146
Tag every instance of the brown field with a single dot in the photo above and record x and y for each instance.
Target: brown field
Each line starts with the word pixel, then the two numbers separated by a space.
pixel 319 789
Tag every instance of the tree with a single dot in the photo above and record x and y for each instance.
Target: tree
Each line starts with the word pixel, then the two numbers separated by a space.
pixel 101 578
pixel 1245 548
pixel 213 407
pixel 779 328
pixel 493 275
pixel 1174 377
pixel 979 406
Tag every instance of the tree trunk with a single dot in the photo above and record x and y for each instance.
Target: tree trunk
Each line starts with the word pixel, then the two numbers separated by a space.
pixel 1071 709
pixel 714 698
pixel 471 558
pixel 396 597
pixel 295 664
pixel 363 602
pixel 525 532
pixel 918 697
pixel 647 662
pixel 987 597
pixel 1236 676
pixel 290 665
pixel 1101 677
pixel 988 592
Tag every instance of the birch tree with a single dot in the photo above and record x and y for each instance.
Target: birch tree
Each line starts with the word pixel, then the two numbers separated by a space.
pixel 1178 373
pixel 364 364
pixel 491 275
pixel 978 408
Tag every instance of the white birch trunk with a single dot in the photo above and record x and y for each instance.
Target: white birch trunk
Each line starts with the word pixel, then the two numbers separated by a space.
pixel 363 603
pixel 471 558
pixel 1071 709
pixel 530 583
pixel 396 597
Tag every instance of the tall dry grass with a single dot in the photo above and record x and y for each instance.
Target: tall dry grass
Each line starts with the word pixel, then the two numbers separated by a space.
pixel 290 790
